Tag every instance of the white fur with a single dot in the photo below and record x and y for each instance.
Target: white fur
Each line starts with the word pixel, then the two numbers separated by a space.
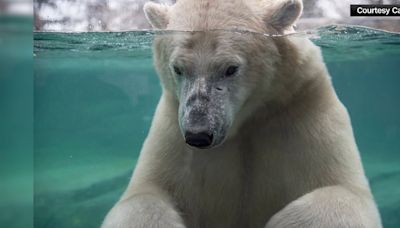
pixel 289 161
pixel 156 14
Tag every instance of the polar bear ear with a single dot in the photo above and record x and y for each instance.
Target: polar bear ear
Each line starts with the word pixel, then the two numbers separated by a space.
pixel 284 13
pixel 157 14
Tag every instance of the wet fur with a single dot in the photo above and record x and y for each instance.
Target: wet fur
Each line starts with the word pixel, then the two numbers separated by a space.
pixel 290 159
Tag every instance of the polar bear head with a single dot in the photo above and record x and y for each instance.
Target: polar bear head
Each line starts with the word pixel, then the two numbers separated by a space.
pixel 213 71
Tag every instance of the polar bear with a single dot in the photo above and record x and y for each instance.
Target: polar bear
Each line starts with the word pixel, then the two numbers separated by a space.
pixel 248 132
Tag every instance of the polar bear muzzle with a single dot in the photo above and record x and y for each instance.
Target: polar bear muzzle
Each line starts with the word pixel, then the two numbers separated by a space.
pixel 204 128
pixel 204 113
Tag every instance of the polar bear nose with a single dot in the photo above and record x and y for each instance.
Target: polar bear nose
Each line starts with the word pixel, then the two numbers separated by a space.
pixel 200 139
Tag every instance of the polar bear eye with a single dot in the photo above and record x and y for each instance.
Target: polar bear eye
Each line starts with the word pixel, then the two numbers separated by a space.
pixel 231 71
pixel 177 70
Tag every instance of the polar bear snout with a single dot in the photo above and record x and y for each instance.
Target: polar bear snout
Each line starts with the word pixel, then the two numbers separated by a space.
pixel 203 115
pixel 197 130
pixel 203 129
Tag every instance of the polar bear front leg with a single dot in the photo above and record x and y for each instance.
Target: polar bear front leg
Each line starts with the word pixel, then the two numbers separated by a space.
pixel 143 211
pixel 329 207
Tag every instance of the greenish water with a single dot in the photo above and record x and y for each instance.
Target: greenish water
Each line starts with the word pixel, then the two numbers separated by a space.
pixel 95 94
pixel 16 122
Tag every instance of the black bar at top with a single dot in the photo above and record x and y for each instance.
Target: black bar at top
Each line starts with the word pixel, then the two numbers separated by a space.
pixel 374 10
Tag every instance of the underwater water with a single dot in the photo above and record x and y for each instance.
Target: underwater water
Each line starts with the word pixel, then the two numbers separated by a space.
pixel 16 122
pixel 95 94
